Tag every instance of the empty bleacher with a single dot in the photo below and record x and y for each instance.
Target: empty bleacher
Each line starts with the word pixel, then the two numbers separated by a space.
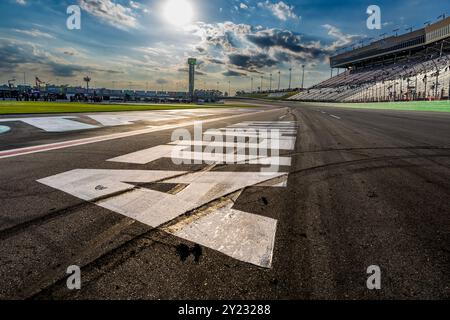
pixel 412 79
pixel 414 66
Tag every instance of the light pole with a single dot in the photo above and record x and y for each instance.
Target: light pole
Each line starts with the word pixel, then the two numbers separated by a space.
pixel 303 77
pixel 87 79
pixel 279 80
pixel 251 90
pixel 270 85
pixel 290 78
pixel 261 88
pixel 229 88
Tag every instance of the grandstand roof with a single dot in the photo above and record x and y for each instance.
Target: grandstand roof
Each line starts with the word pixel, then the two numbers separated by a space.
pixel 391 45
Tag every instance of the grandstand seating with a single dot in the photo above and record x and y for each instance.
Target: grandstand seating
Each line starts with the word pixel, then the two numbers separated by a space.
pixel 412 66
pixel 413 78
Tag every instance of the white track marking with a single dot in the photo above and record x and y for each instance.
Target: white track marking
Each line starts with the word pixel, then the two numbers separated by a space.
pixel 53 124
pixel 83 183
pixel 336 117
pixel 149 155
pixel 149 206
pixel 177 152
pixel 120 120
pixel 63 124
pixel 4 129
pixel 215 224
pixel 241 235
pixel 263 134
pixel 78 142
pixel 221 158
pixel 283 144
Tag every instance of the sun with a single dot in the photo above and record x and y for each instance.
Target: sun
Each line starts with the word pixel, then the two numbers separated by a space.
pixel 178 12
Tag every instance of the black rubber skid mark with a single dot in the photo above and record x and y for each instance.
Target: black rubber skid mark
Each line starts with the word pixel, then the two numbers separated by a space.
pixel 184 252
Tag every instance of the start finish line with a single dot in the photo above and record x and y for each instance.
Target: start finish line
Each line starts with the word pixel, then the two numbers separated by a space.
pixel 216 224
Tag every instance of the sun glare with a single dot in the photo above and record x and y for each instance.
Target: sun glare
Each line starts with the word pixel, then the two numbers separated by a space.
pixel 178 12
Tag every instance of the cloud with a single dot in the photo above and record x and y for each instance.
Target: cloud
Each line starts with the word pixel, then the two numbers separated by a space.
pixel 69 51
pixel 280 10
pixel 139 6
pixel 34 33
pixel 161 81
pixel 232 73
pixel 186 70
pixel 110 12
pixel 253 49
pixel 243 6
pixel 247 48
pixel 215 61
pixel 342 39
pixel 251 62
pixel 16 54
pixel 21 2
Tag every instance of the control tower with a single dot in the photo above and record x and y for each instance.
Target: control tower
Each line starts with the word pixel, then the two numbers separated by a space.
pixel 192 63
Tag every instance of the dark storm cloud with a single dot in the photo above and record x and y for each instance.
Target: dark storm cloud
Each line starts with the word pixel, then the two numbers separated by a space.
pixel 186 70
pixel 250 48
pixel 232 73
pixel 287 40
pixel 66 70
pixel 215 61
pixel 162 81
pixel 251 62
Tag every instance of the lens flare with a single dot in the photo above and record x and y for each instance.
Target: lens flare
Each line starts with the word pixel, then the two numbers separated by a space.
pixel 178 12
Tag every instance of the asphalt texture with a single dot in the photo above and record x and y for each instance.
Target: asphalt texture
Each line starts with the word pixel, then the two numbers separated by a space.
pixel 366 187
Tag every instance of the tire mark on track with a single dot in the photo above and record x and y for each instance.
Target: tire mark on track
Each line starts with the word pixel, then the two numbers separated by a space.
pixel 119 255
pixel 21 227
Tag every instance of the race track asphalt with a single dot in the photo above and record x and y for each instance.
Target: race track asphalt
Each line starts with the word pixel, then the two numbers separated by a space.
pixel 365 187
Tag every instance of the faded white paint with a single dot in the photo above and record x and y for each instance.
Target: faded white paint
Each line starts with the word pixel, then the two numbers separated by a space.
pixel 283 144
pixel 64 124
pixel 264 134
pixel 178 155
pixel 67 144
pixel 148 206
pixel 238 234
pixel 128 119
pixel 149 155
pixel 241 235
pixel 4 129
pixel 53 124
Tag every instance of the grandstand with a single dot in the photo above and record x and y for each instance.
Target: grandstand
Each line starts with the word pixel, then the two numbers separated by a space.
pixel 412 66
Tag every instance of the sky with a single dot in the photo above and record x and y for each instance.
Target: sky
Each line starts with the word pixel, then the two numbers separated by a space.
pixel 145 44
